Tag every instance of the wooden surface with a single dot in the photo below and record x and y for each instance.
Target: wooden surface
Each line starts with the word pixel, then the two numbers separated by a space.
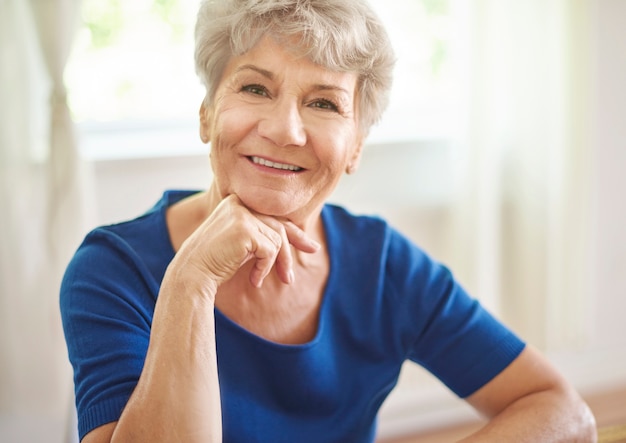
pixel 612 434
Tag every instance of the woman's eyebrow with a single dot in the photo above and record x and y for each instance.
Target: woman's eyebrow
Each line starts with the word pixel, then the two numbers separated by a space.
pixel 263 72
pixel 327 87
pixel 271 76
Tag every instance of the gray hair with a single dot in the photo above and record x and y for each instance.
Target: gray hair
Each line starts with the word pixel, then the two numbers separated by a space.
pixel 341 35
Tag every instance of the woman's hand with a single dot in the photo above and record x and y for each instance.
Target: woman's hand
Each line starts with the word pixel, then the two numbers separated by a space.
pixel 233 235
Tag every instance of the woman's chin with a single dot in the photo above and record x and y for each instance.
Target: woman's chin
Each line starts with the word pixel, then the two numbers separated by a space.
pixel 268 205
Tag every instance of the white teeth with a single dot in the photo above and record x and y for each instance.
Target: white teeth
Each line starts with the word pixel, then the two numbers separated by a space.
pixel 271 164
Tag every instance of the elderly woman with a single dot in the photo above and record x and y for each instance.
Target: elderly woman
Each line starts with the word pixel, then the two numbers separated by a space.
pixel 255 312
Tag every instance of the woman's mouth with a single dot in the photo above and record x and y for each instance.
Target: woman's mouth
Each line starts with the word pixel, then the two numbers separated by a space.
pixel 275 165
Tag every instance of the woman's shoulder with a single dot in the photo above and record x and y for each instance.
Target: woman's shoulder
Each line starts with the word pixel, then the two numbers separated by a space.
pixel 365 237
pixel 143 240
pixel 140 231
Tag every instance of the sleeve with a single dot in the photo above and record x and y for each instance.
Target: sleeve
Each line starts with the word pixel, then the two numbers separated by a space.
pixel 445 330
pixel 107 299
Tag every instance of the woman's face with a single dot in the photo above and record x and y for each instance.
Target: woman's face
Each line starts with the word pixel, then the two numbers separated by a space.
pixel 282 131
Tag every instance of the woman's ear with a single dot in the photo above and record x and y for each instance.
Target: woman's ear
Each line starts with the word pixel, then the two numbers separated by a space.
pixel 205 123
pixel 353 165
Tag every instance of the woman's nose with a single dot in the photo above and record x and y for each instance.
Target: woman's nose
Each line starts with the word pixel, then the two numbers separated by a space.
pixel 283 124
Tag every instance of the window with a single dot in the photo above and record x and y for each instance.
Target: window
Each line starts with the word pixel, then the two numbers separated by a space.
pixel 133 91
pixel 427 36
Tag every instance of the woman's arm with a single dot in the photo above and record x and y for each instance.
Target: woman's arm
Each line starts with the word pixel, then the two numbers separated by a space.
pixel 531 402
pixel 178 391
pixel 177 397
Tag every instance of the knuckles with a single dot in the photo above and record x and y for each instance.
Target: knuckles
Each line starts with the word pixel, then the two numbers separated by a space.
pixel 233 235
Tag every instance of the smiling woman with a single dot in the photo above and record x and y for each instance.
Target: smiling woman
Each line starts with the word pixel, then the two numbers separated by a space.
pixel 257 311
pixel 270 100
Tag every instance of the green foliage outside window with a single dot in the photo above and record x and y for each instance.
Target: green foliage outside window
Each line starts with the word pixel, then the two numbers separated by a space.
pixel 134 58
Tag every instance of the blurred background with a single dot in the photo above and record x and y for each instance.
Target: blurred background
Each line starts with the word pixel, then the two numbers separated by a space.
pixel 502 154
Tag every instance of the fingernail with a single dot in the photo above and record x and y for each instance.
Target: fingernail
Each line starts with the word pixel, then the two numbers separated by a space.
pixel 291 276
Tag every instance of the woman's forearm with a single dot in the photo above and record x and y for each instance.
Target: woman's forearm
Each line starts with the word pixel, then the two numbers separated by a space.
pixel 177 397
pixel 546 416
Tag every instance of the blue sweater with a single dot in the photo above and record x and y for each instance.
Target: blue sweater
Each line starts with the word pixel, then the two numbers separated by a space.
pixel 385 302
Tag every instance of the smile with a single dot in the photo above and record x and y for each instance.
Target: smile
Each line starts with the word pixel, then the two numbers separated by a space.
pixel 275 165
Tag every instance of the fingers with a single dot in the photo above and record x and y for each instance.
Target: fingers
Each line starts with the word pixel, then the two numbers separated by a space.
pixel 299 239
pixel 276 253
pixel 282 234
pixel 269 249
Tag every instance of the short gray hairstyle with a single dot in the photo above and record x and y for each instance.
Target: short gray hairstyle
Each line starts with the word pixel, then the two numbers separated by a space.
pixel 341 35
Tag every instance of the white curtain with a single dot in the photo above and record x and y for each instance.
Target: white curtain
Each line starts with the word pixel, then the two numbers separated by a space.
pixel 43 215
pixel 522 211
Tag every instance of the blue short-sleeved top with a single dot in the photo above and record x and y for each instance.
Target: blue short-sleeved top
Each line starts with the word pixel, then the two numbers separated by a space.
pixel 385 302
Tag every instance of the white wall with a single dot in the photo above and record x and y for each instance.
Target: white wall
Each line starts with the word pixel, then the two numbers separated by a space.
pixel 609 230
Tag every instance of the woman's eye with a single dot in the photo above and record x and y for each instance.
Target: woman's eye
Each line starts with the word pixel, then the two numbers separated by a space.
pixel 255 89
pixel 325 104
